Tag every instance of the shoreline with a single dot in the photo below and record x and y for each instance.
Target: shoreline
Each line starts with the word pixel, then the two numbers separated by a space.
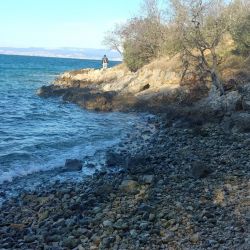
pixel 176 188
pixel 180 183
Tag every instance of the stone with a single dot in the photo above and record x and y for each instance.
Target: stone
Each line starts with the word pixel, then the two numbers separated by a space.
pixel 114 159
pixel 151 217
pixel 241 121
pixel 96 239
pixel 43 215
pixel 246 105
pixel 29 238
pixel 106 242
pixel 167 237
pixel 72 165
pixel 147 179
pixel 70 242
pixel 129 186
pixel 120 224
pixel 199 169
pixel 107 223
pixel 195 238
pixel 133 233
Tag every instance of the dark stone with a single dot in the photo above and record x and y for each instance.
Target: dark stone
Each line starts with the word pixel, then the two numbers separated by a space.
pixel 72 165
pixel 241 121
pixel 139 164
pixel 199 169
pixel 114 159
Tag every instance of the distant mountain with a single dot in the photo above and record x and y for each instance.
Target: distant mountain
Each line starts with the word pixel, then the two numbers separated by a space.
pixel 81 53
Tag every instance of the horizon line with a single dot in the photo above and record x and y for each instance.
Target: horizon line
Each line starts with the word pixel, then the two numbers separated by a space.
pixel 61 57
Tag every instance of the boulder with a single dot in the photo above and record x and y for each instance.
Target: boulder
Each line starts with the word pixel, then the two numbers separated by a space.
pixel 72 165
pixel 114 159
pixel 245 92
pixel 241 121
pixel 215 102
pixel 129 186
pixel 246 104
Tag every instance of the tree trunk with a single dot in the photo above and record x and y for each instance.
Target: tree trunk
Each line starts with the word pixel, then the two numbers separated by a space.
pixel 214 74
pixel 216 82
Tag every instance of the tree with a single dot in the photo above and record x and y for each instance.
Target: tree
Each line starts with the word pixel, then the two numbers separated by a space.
pixel 201 25
pixel 140 39
pixel 113 39
pixel 143 38
pixel 239 13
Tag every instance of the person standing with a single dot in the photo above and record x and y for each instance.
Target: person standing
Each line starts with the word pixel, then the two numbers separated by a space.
pixel 105 62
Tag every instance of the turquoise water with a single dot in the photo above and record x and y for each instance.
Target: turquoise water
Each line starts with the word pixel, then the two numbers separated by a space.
pixel 39 134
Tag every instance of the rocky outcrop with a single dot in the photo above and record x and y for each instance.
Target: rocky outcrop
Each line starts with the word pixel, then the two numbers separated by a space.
pixel 116 88
pixel 155 87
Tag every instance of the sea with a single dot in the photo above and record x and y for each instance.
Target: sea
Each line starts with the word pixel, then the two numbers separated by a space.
pixel 37 135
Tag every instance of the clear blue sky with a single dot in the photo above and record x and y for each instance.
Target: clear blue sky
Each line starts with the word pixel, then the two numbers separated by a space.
pixel 60 23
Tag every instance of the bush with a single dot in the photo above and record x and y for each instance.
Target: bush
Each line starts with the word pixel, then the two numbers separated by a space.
pixel 134 57
pixel 241 36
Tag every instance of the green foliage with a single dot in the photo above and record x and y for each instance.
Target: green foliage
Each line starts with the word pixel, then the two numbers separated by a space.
pixel 193 28
pixel 142 41
pixel 132 57
pixel 241 36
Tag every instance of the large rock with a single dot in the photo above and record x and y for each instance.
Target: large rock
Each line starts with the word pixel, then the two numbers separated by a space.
pixel 114 159
pixel 217 103
pixel 245 92
pixel 241 121
pixel 51 90
pixel 129 186
pixel 72 165
pixel 246 104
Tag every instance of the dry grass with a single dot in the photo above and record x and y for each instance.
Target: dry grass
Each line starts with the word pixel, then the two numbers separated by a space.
pixel 165 63
pixel 236 67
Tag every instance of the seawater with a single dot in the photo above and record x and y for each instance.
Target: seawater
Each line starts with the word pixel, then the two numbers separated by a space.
pixel 36 134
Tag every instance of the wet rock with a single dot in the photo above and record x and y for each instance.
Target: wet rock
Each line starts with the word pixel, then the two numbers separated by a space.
pixel 72 165
pixel 114 159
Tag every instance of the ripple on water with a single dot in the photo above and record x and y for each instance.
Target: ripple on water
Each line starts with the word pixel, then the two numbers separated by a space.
pixel 40 134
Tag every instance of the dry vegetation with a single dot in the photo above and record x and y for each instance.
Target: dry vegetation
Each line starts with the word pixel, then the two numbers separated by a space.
pixel 205 41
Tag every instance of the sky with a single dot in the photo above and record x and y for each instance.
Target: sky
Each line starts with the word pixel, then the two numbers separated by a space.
pixel 61 23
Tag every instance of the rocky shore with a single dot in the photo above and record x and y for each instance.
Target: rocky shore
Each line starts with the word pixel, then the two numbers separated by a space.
pixel 174 185
pixel 180 183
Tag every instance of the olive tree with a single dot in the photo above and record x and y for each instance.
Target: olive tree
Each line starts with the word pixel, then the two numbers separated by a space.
pixel 201 25
pixel 113 39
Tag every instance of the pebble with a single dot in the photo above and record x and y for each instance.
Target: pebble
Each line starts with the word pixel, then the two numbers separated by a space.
pixel 164 208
